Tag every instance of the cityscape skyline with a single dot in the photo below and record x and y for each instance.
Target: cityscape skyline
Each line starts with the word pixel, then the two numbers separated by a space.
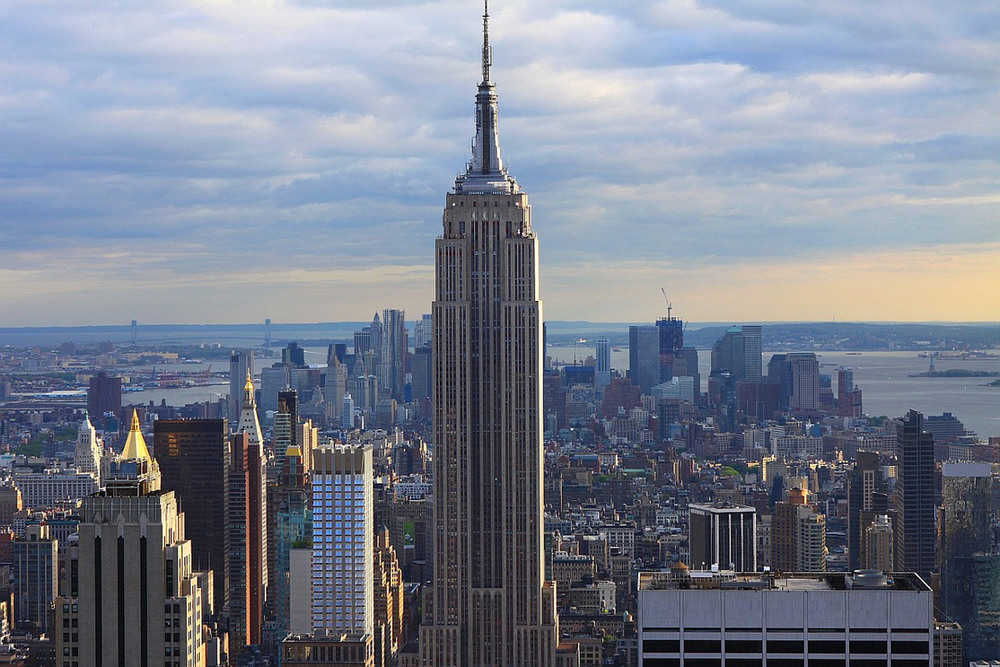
pixel 849 156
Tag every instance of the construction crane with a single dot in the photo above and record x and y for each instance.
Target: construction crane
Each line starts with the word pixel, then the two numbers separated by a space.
pixel 667 301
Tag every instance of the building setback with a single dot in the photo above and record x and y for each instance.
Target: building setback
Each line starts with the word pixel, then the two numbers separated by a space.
pixel 490 603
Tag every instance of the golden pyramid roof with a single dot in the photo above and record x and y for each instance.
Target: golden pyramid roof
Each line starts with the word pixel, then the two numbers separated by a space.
pixel 293 450
pixel 135 446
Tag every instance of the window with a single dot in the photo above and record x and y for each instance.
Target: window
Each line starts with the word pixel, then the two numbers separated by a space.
pixel 702 646
pixel 784 646
pixel 909 647
pixel 825 646
pixel 868 646
pixel 661 646
pixel 743 646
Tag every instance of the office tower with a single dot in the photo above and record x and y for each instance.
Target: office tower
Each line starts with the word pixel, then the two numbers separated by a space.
pixel 104 395
pixel 292 532
pixel 784 620
pixel 392 358
pixel 240 365
pixel 727 353
pixel 133 331
pixel 945 427
pixel 336 351
pixel 865 500
pixel 388 600
pixel 11 502
pixel 194 457
pixel 685 364
pixel 342 552
pixel 254 496
pixel 423 331
pixel 273 380
pixel 849 402
pixel 602 371
pixel 878 545
pixel 267 332
pixel 36 573
pixel 722 534
pixel 422 370
pixel 44 489
pixel 970 564
pixel 362 342
pixel 779 374
pixel 915 496
pixel 739 352
pixel 489 604
pixel 804 371
pixel 644 356
pixel 334 387
pixel 135 601
pixel 347 413
pixel 89 449
pixel 285 430
pixel 293 356
pixel 798 536
pixel 247 540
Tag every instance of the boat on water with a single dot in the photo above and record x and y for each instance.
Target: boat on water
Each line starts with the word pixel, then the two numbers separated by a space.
pixel 853 354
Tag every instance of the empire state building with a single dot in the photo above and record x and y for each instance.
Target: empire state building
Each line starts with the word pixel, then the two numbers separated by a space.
pixel 490 603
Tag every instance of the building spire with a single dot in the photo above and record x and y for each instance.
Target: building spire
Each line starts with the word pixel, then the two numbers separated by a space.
pixel 487 51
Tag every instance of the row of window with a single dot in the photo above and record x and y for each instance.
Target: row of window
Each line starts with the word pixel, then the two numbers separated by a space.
pixel 783 646
pixel 782 662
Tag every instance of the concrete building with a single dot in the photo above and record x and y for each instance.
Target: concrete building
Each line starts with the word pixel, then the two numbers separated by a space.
pixel 41 490
pixel 273 380
pixel 135 600
pixel 89 452
pixel 644 356
pixel 722 534
pixel 798 536
pixel 247 542
pixel 388 597
pixel 490 603
pixel 36 576
pixel 347 650
pixel 240 367
pixel 879 544
pixel 866 498
pixel 804 367
pixel 726 618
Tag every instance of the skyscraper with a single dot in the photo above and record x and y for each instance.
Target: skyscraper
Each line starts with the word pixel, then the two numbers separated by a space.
pixel 392 359
pixel 644 356
pixel 739 353
pixel 89 449
pixel 798 536
pixel 915 497
pixel 490 603
pixel 343 541
pixel 602 372
pixel 970 566
pixel 240 364
pixel 135 599
pixel 36 572
pixel 804 373
pixel 104 395
pixel 865 500
pixel 724 535
pixel 194 458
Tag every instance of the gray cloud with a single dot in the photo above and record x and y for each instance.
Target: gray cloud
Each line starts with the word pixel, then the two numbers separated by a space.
pixel 318 135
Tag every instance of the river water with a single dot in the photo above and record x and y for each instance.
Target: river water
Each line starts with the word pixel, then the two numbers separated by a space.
pixel 884 378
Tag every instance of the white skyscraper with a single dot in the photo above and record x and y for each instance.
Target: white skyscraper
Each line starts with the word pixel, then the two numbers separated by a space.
pixel 89 449
pixel 602 372
pixel 342 552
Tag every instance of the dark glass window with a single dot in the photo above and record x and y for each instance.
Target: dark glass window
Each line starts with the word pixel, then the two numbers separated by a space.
pixel 868 646
pixel 785 646
pixel 743 646
pixel 661 646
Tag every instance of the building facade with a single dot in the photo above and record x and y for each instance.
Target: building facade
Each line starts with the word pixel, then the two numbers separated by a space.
pixel 724 535
pixel 731 619
pixel 490 603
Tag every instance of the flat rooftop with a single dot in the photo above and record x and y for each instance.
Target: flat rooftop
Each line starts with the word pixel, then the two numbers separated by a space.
pixel 685 579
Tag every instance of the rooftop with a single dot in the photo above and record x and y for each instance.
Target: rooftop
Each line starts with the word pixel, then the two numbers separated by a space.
pixel 783 581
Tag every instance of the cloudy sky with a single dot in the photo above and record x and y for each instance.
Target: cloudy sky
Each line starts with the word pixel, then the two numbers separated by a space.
pixel 211 161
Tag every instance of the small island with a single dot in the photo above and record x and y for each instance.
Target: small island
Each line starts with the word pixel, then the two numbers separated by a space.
pixel 956 373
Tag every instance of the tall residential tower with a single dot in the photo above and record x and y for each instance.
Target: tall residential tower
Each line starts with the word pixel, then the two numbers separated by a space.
pixel 490 603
